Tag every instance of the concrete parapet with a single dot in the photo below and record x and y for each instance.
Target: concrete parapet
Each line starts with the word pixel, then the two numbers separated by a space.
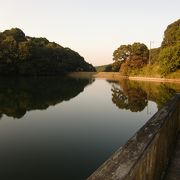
pixel 146 155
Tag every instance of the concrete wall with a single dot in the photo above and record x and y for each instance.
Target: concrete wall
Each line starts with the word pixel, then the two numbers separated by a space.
pixel 145 156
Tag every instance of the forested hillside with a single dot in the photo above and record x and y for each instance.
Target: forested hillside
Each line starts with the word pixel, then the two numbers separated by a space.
pixel 24 55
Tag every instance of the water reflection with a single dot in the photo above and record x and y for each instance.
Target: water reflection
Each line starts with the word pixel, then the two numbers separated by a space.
pixel 72 139
pixel 134 95
pixel 19 95
pixel 132 98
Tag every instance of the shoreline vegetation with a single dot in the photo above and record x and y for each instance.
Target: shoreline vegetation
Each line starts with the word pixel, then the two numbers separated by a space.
pixel 22 55
pixel 118 76
pixel 137 60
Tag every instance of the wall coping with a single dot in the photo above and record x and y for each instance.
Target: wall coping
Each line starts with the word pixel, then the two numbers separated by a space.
pixel 122 162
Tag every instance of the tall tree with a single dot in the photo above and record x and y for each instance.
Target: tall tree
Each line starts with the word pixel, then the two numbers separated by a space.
pixel 122 53
pixel 131 56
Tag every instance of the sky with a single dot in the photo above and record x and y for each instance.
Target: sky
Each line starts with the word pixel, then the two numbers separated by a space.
pixel 94 28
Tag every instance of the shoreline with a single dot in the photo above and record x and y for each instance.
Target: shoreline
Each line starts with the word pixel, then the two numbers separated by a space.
pixel 117 76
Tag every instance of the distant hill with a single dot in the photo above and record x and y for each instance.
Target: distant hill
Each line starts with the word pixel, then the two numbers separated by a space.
pixel 114 67
pixel 104 68
pixel 24 55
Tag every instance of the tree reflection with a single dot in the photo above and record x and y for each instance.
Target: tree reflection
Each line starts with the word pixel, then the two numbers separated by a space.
pixel 134 95
pixel 19 95
pixel 134 99
pixel 163 95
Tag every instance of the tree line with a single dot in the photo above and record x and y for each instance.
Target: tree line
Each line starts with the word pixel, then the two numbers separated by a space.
pixel 25 55
pixel 132 57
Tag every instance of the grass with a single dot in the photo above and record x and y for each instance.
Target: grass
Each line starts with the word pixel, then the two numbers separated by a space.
pixel 147 71
pixel 153 71
pixel 174 75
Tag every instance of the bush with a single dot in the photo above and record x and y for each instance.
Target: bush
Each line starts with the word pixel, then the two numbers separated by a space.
pixel 169 59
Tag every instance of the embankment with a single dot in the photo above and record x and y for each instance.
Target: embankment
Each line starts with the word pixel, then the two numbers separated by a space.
pixel 117 76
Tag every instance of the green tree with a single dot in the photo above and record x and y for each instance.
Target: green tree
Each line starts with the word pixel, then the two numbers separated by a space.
pixel 122 53
pixel 169 56
pixel 24 55
pixel 25 50
pixel 9 49
pixel 16 33
pixel 155 55
pixel 139 55
pixel 116 66
pixel 131 57
pixel 172 34
pixel 169 59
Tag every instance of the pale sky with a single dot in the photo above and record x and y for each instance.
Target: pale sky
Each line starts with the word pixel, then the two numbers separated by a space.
pixel 94 28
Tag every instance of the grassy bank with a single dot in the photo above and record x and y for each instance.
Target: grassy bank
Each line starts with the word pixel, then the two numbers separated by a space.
pixel 118 76
pixel 153 71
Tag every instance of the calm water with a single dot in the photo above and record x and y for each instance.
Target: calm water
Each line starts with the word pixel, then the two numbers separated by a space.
pixel 58 129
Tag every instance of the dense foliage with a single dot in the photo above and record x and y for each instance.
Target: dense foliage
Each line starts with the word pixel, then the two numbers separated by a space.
pixel 131 57
pixel 172 34
pixel 154 55
pixel 24 55
pixel 169 56
pixel 166 58
pixel 169 59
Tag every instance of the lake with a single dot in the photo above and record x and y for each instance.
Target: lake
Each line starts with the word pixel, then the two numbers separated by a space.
pixel 65 128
